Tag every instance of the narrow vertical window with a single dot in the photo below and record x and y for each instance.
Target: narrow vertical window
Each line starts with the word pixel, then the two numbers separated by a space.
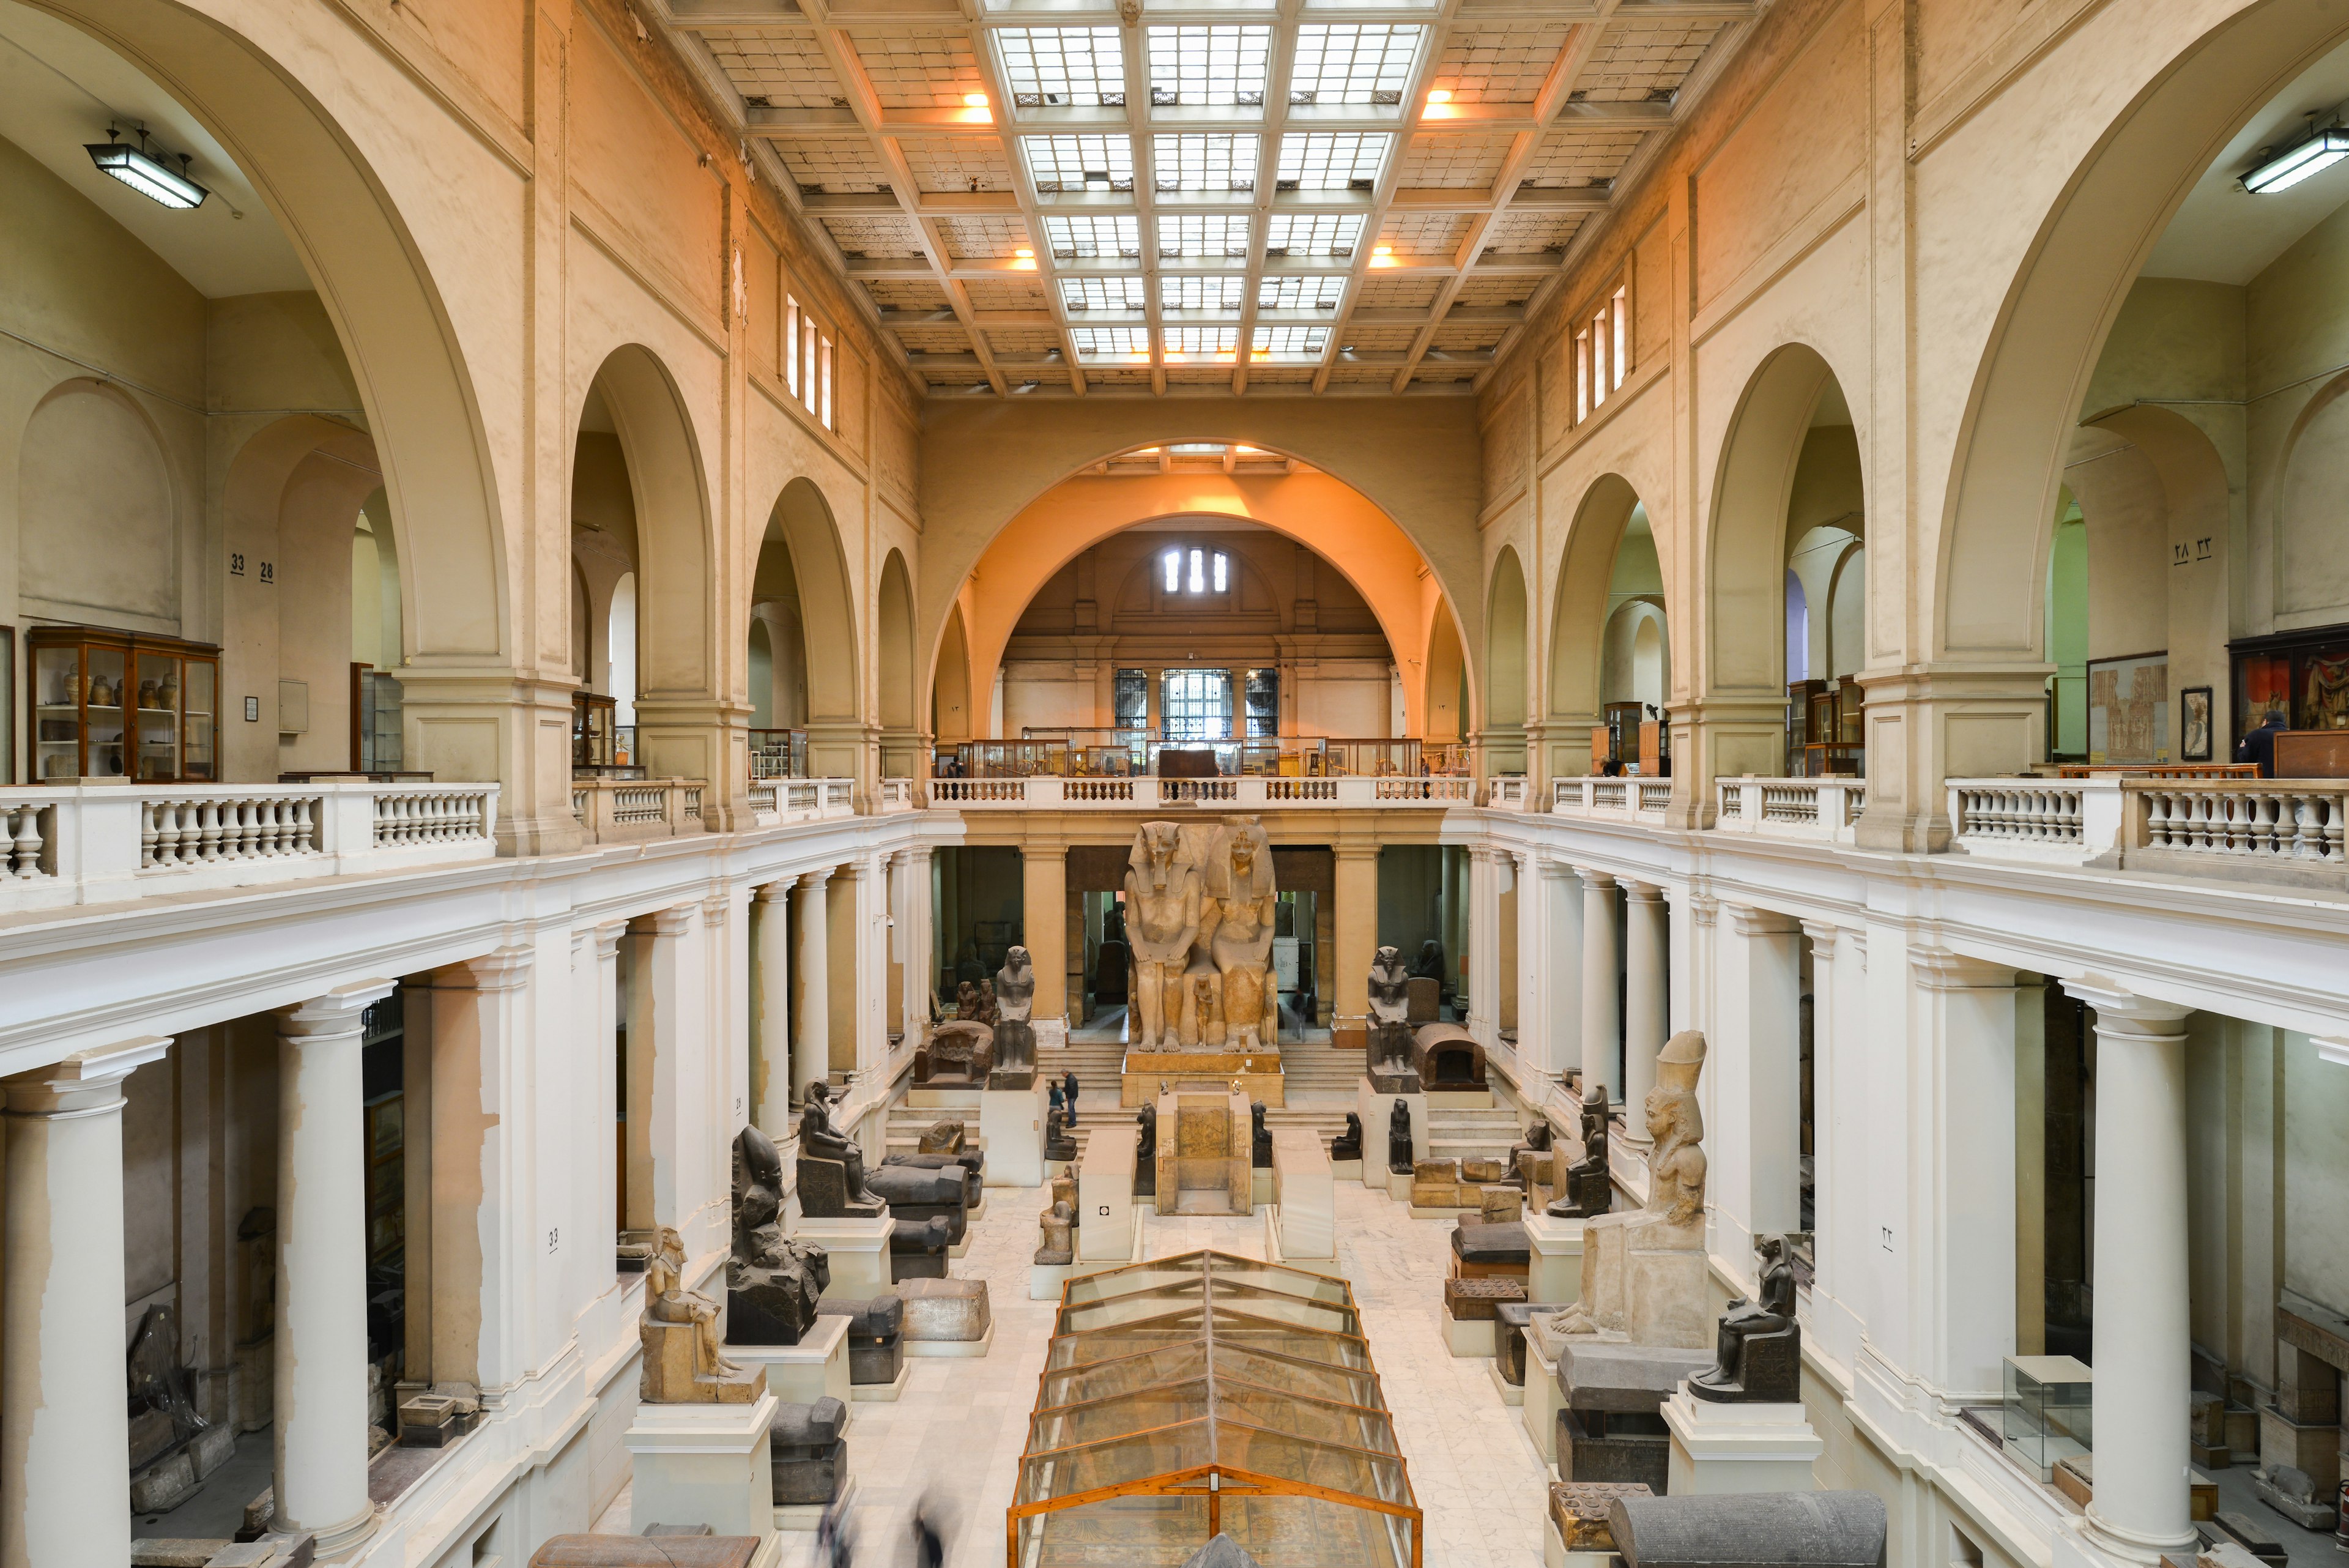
pixel 1198 571
pixel 1599 359
pixel 1582 376
pixel 1174 559
pixel 824 413
pixel 1618 315
pixel 1221 570
pixel 791 343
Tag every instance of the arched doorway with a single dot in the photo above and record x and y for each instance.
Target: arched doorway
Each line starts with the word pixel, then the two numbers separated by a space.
pixel 1506 631
pixel 1610 641
pixel 802 588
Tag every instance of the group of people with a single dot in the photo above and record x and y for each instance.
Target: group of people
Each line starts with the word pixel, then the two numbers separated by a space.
pixel 1064 1096
pixel 836 1540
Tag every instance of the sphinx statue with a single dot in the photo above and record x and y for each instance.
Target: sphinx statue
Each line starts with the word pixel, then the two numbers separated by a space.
pixel 1389 1025
pixel 679 1332
pixel 1015 1037
pixel 1239 885
pixel 831 1165
pixel 1163 912
pixel 772 1282
pixel 1643 1272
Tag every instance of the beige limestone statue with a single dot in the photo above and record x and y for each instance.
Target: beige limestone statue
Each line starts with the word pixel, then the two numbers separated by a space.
pixel 679 1332
pixel 1244 904
pixel 1163 911
pixel 1643 1271
pixel 1201 1024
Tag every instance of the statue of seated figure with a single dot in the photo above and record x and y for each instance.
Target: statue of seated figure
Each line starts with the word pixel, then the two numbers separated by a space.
pixel 772 1282
pixel 1758 1349
pixel 679 1332
pixel 1586 1188
pixel 832 1166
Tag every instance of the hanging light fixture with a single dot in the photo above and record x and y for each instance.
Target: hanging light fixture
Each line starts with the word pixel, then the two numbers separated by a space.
pixel 145 173
pixel 2282 170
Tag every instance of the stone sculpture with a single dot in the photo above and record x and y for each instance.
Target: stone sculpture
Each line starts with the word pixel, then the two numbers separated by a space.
pixel 1259 1138
pixel 1446 1056
pixel 1795 1529
pixel 832 1167
pixel 1239 881
pixel 1348 1145
pixel 1399 1157
pixel 1059 1224
pixel 1145 1153
pixel 679 1332
pixel 772 1283
pixel 1389 1025
pixel 876 1334
pixel 929 1204
pixel 1587 1189
pixel 1429 965
pixel 966 1001
pixel 1529 1160
pixel 1201 1024
pixel 1643 1272
pixel 1758 1351
pixel 1162 901
pixel 991 1006
pixel 1014 1036
pixel 807 1453
pixel 971 1162
pixel 1059 1138
pixel 941 1137
pixel 172 1446
pixel 959 1052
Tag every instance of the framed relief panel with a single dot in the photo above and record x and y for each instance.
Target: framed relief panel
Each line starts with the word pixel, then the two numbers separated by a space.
pixel 2128 709
pixel 2194 724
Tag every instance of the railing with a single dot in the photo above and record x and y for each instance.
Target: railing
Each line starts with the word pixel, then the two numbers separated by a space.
pixel 1820 808
pixel 1626 799
pixel 1135 753
pixel 898 794
pixel 98 843
pixel 1147 792
pixel 2219 826
pixel 2073 820
pixel 2272 821
pixel 1512 793
pixel 623 811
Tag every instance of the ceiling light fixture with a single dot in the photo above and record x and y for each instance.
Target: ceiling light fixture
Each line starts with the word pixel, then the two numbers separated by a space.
pixel 974 101
pixel 145 173
pixel 1439 95
pixel 2282 170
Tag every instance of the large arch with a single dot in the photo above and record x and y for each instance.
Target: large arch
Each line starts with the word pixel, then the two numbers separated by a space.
pixel 1506 706
pixel 801 524
pixel 1579 620
pixel 897 709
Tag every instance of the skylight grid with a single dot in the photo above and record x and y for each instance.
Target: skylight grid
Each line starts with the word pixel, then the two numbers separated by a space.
pixel 1193 236
pixel 1112 340
pixel 1197 342
pixel 1209 160
pixel 1057 67
pixel 1331 160
pixel 1313 234
pixel 1293 293
pixel 1094 237
pixel 1193 292
pixel 1103 293
pixel 1082 161
pixel 1352 62
pixel 1292 340
pixel 1220 64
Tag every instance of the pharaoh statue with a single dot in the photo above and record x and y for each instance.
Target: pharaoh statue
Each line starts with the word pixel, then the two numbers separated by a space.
pixel 1239 885
pixel 1014 1036
pixel 1389 1023
pixel 679 1331
pixel 966 1001
pixel 1758 1347
pixel 1643 1271
pixel 1586 1188
pixel 831 1165
pixel 772 1282
pixel 1162 902
pixel 1398 1153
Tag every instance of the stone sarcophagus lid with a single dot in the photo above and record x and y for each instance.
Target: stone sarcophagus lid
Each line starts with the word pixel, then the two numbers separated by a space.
pixel 808 1452
pixel 876 1336
pixel 1445 1057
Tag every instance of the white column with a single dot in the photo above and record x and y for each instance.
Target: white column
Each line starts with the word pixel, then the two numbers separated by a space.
pixel 599 1236
pixel 1560 966
pixel 666 1021
pixel 2143 1333
pixel 810 984
pixel 471 1089
pixel 1602 1024
pixel 913 930
pixel 1533 1026
pixel 770 936
pixel 65 1495
pixel 1647 937
pixel 1963 1155
pixel 1835 1244
pixel 1484 946
pixel 1754 1131
pixel 321 1341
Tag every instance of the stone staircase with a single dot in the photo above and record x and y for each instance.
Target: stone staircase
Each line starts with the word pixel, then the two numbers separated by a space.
pixel 903 1131
pixel 1471 1134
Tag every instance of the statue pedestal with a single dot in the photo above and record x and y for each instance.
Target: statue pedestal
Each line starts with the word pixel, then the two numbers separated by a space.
pixel 1719 1448
pixel 1554 1277
pixel 805 1372
pixel 859 1251
pixel 1543 1398
pixel 1011 1130
pixel 704 1464
pixel 1258 1072
pixel 1105 1207
pixel 1376 1109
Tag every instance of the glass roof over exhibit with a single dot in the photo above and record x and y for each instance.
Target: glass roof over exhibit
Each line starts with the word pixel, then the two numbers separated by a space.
pixel 1206 1393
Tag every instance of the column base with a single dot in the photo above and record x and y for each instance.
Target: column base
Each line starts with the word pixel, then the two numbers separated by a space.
pixel 2131 1544
pixel 336 1538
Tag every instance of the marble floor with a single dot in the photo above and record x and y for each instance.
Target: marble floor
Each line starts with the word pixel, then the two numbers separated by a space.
pixel 956 1436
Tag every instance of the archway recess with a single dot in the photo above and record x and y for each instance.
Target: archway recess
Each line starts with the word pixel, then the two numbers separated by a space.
pixel 1506 709
pixel 800 526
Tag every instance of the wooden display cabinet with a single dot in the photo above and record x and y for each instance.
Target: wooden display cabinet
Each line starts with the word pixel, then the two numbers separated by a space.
pixel 1823 733
pixel 121 705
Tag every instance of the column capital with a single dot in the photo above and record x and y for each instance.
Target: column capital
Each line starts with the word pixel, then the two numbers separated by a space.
pixel 716 908
pixel 774 892
pixel 1748 922
pixel 1595 880
pixel 1704 909
pixel 608 940
pixel 2331 1048
pixel 813 881
pixel 2123 1006
pixel 673 922
pixel 338 1012
pixel 84 1083
pixel 1485 852
pixel 1553 866
pixel 1355 851
pixel 1824 935
pixel 1939 969
pixel 505 969
pixel 851 870
pixel 1643 892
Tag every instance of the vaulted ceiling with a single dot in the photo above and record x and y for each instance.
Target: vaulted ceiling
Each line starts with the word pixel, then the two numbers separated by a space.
pixel 1066 196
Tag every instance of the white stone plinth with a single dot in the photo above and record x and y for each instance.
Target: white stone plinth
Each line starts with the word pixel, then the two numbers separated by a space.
pixel 1276 1251
pixel 1465 1338
pixel 1554 1277
pixel 703 1464
pixel 1106 1231
pixel 888 1393
pixel 952 1349
pixel 859 1253
pixel 802 1516
pixel 1542 1399
pixel 956 1097
pixel 1512 1394
pixel 1305 1187
pixel 1375 1109
pixel 1398 1183
pixel 1011 1130
pixel 1720 1448
pixel 1346 1169
pixel 1459 1100
pixel 805 1372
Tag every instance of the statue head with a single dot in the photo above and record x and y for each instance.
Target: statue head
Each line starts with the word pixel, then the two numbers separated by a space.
pixel 1679 1062
pixel 1240 865
pixel 1016 966
pixel 1386 960
pixel 757 1179
pixel 1157 855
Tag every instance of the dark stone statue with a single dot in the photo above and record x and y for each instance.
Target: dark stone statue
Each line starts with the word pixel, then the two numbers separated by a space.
pixel 1145 1153
pixel 1059 1138
pixel 1259 1138
pixel 1391 1068
pixel 807 1454
pixel 832 1166
pixel 1429 965
pixel 966 1001
pixel 1015 1036
pixel 772 1282
pixel 1758 1350
pixel 1587 1189
pixel 1399 1157
pixel 1348 1145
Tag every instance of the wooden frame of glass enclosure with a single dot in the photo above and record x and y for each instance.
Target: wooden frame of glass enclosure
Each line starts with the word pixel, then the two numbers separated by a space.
pixel 1203 1395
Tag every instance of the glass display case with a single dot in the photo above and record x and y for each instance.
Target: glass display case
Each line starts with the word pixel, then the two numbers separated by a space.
pixel 1823 730
pixel 1206 1394
pixel 2047 1411
pixel 124 705
pixel 375 731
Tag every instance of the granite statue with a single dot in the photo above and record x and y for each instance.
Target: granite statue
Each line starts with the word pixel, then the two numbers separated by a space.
pixel 1163 912
pixel 966 1001
pixel 682 1365
pixel 1389 1044
pixel 959 1053
pixel 807 1454
pixel 1015 1036
pixel 1348 1145
pixel 1145 1153
pixel 772 1282
pixel 1059 1224
pixel 832 1166
pixel 1399 1156
pixel 1059 1138
pixel 1758 1347
pixel 1259 1138
pixel 1587 1188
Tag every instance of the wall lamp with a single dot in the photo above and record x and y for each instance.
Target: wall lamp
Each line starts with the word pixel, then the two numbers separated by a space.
pixel 144 172
pixel 2282 170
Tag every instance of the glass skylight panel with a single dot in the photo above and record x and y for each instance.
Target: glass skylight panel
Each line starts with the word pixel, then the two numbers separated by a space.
pixel 1193 236
pixel 1210 161
pixel 1202 342
pixel 1331 159
pixel 1112 340
pixel 1102 294
pixel 1058 67
pixel 1352 62
pixel 1295 292
pixel 1312 233
pixel 1093 237
pixel 1220 64
pixel 1193 292
pixel 1084 161
pixel 1292 341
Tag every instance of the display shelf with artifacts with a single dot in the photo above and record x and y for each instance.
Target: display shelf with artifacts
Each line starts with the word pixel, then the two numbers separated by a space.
pixel 1823 730
pixel 121 705
pixel 2298 679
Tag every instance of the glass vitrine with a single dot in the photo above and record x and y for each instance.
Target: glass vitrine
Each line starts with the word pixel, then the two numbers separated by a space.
pixel 124 705
pixel 2049 1403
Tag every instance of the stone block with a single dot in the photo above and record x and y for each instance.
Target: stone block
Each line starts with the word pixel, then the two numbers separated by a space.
pixel 1306 1189
pixel 1580 1511
pixel 709 1464
pixel 1477 1301
pixel 808 1452
pixel 1612 1374
pixel 1614 1446
pixel 1481 1247
pixel 2294 1494
pixel 1798 1529
pixel 1509 1320
pixel 941 1137
pixel 174 1551
pixel 945 1309
pixel 2306 1447
pixel 876 1351
pixel 1744 1448
pixel 165 1484
pixel 2308 1387
pixel 636 1551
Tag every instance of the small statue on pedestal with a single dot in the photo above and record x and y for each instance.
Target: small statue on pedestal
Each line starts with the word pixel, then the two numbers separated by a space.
pixel 967 1002
pixel 1529 1158
pixel 1758 1353
pixel 679 1333
pixel 1145 1153
pixel 1390 1028
pixel 832 1166
pixel 990 1005
pixel 1399 1157
pixel 1060 1243
pixel 1348 1145
pixel 1587 1188
pixel 1059 1139
pixel 1014 1036
pixel 772 1283
pixel 1259 1138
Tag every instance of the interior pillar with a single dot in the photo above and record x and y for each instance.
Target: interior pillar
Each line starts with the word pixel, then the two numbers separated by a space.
pixel 661 1020
pixel 1482 960
pixel 1507 912
pixel 472 1034
pixel 65 1496
pixel 321 1345
pixel 1043 885
pixel 1646 939
pixel 1354 881
pixel 607 1161
pixel 1602 1022
pixel 1560 972
pixel 1757 1094
pixel 1967 1008
pixel 846 948
pixel 811 1049
pixel 771 1023
pixel 1533 1042
pixel 916 929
